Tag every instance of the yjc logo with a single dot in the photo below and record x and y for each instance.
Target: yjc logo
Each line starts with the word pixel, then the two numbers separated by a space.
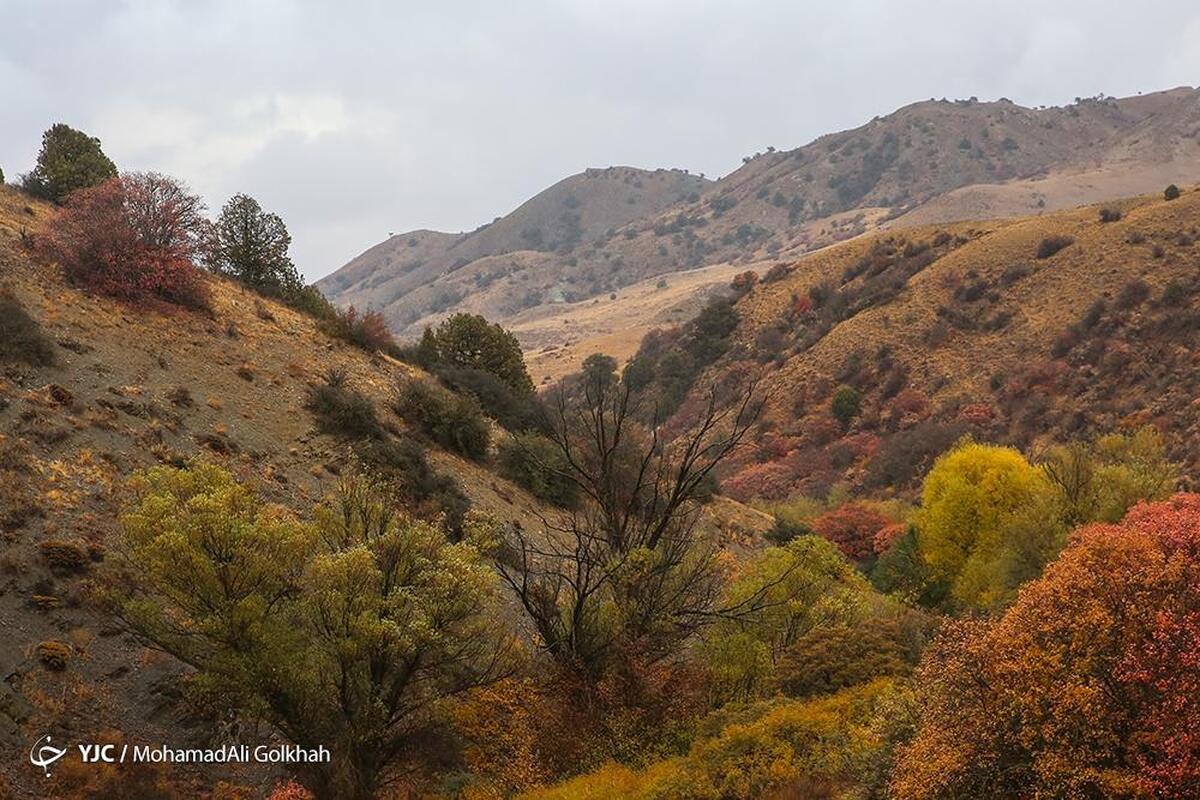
pixel 43 755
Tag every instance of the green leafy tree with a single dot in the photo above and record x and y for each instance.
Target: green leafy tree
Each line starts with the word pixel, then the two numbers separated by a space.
pixel 1171 192
pixel 350 630
pixel 252 246
pixel 794 589
pixel 845 405
pixel 69 160
pixel 469 340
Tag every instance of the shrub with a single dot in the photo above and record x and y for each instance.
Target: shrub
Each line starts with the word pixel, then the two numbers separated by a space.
pixel 743 282
pixel 785 530
pixel 64 556
pixel 403 464
pixel 830 658
pixel 1052 244
pixel 852 527
pixel 134 237
pixel 515 412
pixel 54 655
pixel 537 464
pixel 777 273
pixel 367 331
pixel 1171 192
pixel 343 411
pixel 453 421
pixel 845 405
pixel 1110 215
pixel 21 338
pixel 1132 294
pixel 68 161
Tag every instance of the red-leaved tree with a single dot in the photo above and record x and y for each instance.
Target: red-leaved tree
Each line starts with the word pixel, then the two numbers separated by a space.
pixel 852 527
pixel 1088 686
pixel 137 236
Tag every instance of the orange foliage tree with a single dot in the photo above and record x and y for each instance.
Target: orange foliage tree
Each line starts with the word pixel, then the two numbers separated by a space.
pixel 136 237
pixel 1089 686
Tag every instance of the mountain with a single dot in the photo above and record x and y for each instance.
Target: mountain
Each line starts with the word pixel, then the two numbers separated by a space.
pixel 1022 331
pixel 932 161
pixel 415 274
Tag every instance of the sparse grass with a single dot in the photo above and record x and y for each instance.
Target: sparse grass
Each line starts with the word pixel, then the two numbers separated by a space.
pixel 21 338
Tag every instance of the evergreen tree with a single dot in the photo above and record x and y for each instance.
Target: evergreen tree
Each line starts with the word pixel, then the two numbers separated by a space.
pixel 69 160
pixel 252 246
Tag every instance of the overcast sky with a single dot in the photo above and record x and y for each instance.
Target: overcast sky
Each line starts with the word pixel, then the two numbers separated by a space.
pixel 356 119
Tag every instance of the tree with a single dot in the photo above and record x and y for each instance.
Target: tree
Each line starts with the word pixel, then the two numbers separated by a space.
pixel 347 631
pixel 626 574
pixel 789 591
pixel 1101 480
pixel 251 246
pixel 69 160
pixel 1087 686
pixel 852 527
pixel 973 502
pixel 845 405
pixel 133 237
pixel 1171 192
pixel 469 340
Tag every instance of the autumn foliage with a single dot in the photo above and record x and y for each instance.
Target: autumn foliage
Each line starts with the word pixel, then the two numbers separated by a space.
pixel 136 237
pixel 1089 686
pixel 852 527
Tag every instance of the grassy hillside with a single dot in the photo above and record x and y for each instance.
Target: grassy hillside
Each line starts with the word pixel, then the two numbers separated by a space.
pixel 128 388
pixel 947 330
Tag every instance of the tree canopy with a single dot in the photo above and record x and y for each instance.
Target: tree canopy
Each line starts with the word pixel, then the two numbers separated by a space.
pixel 251 245
pixel 347 630
pixel 470 341
pixel 69 160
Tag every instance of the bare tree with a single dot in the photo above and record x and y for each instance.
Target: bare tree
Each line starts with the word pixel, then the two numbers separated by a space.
pixel 627 570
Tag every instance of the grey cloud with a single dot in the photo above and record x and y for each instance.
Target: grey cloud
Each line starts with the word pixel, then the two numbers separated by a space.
pixel 356 119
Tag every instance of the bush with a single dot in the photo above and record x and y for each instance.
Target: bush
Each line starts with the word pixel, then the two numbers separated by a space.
pixel 852 527
pixel 516 412
pixel 1110 215
pixel 418 485
pixel 1171 192
pixel 537 464
pixel 342 411
pixel 64 556
pixel 367 331
pixel 1132 294
pixel 134 237
pixel 845 405
pixel 453 421
pixel 21 338
pixel 54 655
pixel 68 161
pixel 786 530
pixel 1052 244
